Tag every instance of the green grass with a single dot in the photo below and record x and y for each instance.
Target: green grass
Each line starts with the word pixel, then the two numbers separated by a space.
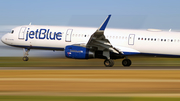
pixel 58 62
pixel 71 98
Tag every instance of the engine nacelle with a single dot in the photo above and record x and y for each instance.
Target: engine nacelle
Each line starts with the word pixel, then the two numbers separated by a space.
pixel 78 52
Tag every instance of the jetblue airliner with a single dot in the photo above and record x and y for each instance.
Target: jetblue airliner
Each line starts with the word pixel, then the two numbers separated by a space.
pixel 86 43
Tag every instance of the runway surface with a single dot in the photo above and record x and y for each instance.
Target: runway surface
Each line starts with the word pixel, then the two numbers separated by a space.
pixel 95 68
pixel 114 81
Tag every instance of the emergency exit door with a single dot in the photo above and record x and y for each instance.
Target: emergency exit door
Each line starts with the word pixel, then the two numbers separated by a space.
pixel 131 39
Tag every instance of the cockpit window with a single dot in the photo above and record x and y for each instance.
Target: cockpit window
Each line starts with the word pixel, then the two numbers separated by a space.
pixel 12 31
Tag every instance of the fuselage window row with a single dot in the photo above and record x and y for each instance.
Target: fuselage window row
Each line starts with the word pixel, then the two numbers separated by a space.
pixel 164 40
pixel 111 37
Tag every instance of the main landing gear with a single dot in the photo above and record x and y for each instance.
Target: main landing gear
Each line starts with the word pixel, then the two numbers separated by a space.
pixel 108 62
pixel 126 62
pixel 25 58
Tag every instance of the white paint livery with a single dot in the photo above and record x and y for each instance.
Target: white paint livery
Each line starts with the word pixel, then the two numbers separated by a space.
pixel 119 42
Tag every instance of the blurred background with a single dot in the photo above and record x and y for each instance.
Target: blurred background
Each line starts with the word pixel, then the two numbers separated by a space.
pixel 128 14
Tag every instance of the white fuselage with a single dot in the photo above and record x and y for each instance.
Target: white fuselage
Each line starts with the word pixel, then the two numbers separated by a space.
pixel 126 41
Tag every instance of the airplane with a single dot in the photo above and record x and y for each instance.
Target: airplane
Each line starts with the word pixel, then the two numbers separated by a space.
pixel 86 42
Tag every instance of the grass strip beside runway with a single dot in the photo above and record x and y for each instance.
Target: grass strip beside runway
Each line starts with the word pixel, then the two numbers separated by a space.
pixel 77 98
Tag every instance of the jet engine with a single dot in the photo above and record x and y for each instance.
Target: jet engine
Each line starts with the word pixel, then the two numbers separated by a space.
pixel 78 52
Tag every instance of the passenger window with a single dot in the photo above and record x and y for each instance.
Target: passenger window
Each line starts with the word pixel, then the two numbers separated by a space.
pixel 138 38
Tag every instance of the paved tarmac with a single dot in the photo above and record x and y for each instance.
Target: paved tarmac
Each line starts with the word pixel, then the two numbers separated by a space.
pixel 95 68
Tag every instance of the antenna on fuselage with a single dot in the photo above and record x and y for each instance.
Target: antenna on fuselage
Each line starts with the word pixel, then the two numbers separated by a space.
pixel 169 30
pixel 30 23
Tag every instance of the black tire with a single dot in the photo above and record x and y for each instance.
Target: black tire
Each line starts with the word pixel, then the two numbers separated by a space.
pixel 108 62
pixel 126 62
pixel 25 58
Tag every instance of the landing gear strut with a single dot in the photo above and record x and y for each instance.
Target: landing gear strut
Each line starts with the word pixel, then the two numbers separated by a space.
pixel 108 62
pixel 126 62
pixel 25 58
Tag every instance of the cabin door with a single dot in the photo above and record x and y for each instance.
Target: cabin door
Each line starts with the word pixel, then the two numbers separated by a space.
pixel 68 35
pixel 22 33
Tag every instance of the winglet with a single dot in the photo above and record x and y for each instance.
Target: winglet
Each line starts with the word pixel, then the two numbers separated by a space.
pixel 104 24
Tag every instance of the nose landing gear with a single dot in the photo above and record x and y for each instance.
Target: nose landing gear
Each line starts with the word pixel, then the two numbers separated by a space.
pixel 25 58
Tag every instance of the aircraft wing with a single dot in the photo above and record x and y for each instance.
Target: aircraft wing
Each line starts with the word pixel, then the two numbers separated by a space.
pixel 99 42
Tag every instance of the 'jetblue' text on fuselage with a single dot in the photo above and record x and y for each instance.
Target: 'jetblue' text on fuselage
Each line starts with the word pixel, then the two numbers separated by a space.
pixel 43 34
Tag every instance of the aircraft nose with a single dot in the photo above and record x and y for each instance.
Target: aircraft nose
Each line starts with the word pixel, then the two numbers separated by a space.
pixel 3 39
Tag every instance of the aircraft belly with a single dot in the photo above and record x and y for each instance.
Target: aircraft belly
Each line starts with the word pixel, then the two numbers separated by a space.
pixel 159 48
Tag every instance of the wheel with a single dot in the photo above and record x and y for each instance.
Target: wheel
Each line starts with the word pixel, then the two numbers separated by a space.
pixel 25 58
pixel 126 62
pixel 108 62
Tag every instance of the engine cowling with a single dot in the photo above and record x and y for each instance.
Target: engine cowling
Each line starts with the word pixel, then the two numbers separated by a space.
pixel 78 52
